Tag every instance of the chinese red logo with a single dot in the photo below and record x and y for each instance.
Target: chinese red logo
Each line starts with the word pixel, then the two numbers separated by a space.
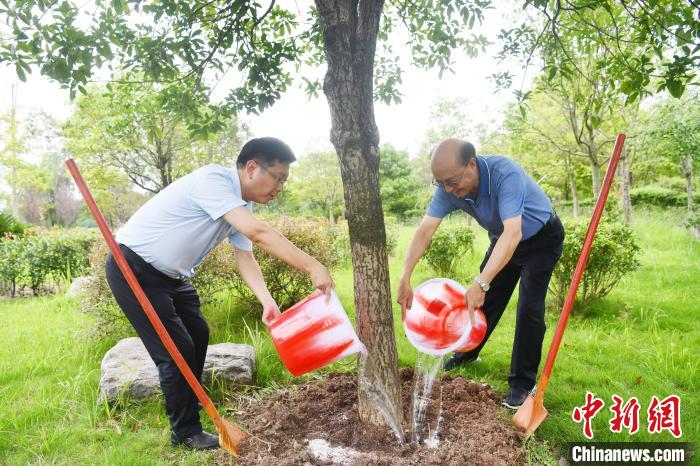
pixel 665 415
pixel 587 412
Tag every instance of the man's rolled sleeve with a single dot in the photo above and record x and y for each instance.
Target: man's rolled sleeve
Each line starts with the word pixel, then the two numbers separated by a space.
pixel 239 241
pixel 440 205
pixel 511 195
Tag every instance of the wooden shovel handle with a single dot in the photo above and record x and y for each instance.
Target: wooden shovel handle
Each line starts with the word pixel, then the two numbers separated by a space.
pixel 580 267
pixel 141 296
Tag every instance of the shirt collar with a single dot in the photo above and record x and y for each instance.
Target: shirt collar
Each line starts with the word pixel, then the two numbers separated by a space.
pixel 484 179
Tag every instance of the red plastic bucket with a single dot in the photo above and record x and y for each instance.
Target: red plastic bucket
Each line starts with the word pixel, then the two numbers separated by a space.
pixel 313 333
pixel 438 321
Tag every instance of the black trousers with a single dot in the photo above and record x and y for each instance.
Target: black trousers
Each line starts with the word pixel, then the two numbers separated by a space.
pixel 532 263
pixel 177 304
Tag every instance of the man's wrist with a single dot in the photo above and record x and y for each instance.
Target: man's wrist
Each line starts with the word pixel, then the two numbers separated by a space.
pixel 482 284
pixel 268 302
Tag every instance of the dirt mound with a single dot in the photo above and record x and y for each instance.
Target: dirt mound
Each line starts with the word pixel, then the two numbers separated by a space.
pixel 474 428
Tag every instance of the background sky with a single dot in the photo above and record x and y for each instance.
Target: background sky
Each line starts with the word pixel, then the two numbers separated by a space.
pixel 305 123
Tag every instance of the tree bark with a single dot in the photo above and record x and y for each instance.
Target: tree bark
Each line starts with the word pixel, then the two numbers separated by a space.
pixel 572 185
pixel 574 195
pixel 687 168
pixel 595 177
pixel 350 35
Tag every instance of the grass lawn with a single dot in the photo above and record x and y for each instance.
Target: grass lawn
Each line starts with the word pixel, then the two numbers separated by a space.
pixel 641 340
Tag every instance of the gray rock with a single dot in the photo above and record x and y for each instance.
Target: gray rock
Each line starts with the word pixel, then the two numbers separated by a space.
pixel 77 286
pixel 128 371
pixel 230 363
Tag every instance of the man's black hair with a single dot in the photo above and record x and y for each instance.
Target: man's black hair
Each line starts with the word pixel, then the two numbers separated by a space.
pixel 467 152
pixel 267 151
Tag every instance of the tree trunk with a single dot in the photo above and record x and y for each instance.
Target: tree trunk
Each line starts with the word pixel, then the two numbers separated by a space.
pixel 625 187
pixel 350 36
pixel 574 195
pixel 595 178
pixel 572 186
pixel 330 208
pixel 687 168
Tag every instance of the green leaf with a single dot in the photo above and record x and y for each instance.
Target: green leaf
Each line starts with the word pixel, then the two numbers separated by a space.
pixel 20 73
pixel 676 88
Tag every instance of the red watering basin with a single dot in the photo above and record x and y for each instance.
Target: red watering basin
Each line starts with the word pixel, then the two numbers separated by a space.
pixel 313 334
pixel 438 321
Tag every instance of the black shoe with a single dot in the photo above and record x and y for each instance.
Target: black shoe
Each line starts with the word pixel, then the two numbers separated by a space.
pixel 515 398
pixel 459 359
pixel 200 441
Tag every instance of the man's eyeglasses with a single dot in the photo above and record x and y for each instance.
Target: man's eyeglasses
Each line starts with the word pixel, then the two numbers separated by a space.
pixel 278 180
pixel 450 182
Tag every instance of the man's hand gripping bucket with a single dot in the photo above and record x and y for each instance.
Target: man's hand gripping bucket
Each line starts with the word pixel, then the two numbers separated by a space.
pixel 438 321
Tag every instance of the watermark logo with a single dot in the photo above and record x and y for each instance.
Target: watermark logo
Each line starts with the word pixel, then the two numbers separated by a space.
pixel 662 415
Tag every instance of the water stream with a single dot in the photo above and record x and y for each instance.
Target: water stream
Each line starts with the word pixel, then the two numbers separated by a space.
pixel 426 403
pixel 377 395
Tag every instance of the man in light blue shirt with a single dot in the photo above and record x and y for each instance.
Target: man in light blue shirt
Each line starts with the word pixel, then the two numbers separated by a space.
pixel 526 243
pixel 172 233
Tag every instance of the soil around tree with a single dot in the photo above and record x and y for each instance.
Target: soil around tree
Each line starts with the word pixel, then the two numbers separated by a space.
pixel 474 428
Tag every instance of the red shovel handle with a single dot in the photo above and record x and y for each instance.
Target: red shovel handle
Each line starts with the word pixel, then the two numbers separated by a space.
pixel 580 266
pixel 141 296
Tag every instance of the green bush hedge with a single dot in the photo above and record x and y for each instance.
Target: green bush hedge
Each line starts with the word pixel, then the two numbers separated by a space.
pixel 613 255
pixel 448 246
pixel 41 257
pixel 660 196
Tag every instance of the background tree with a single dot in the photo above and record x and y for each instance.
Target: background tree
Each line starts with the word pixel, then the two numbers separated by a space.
pixel 136 129
pixel 316 184
pixel 12 154
pixel 32 158
pixel 650 45
pixel 399 189
pixel 447 120
pixel 672 132
pixel 541 139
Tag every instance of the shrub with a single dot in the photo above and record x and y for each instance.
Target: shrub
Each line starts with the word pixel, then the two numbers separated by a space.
pixel 11 265
pixel 42 256
pixel 392 228
pixel 340 236
pixel 9 224
pixel 613 255
pixel 341 239
pixel 693 224
pixel 448 246
pixel 286 284
pixel 661 196
pixel 97 300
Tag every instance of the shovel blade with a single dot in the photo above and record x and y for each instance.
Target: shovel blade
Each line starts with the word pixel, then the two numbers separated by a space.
pixel 530 415
pixel 230 436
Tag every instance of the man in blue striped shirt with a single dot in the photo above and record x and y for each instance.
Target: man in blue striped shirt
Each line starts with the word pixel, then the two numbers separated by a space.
pixel 526 243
